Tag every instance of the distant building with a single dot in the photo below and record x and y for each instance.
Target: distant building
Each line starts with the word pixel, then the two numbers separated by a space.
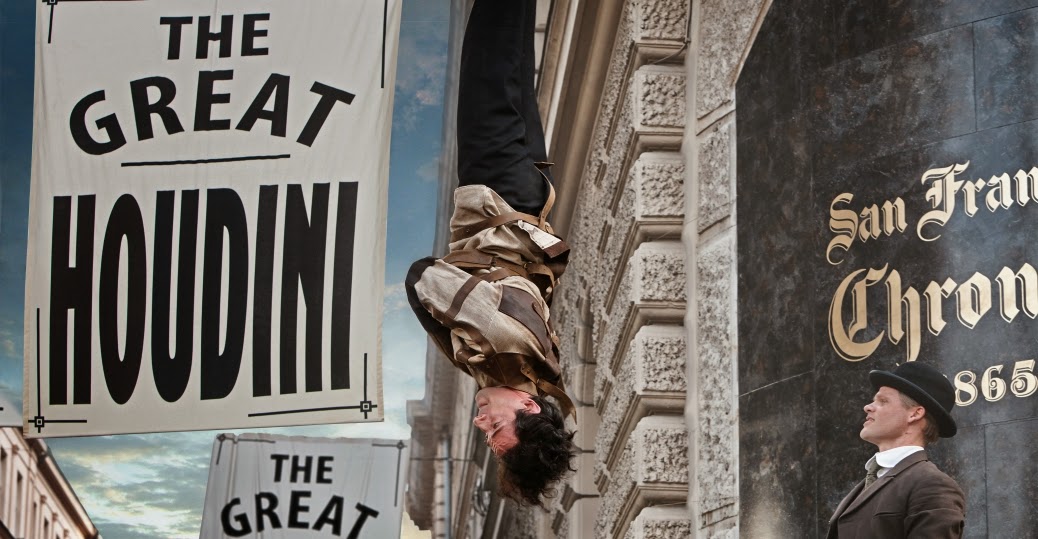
pixel 36 501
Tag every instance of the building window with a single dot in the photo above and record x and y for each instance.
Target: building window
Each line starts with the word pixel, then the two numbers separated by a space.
pixel 3 479
pixel 17 505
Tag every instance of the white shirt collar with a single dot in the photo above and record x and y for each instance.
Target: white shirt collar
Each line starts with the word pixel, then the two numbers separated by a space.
pixel 891 457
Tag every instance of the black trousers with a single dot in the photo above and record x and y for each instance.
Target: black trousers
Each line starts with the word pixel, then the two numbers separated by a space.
pixel 500 136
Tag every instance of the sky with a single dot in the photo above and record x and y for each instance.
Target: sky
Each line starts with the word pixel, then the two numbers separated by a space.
pixel 153 485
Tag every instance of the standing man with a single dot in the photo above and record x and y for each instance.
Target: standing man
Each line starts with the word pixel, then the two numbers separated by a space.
pixel 903 493
pixel 486 304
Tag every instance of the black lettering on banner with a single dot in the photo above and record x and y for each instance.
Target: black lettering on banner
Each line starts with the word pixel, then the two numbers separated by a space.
pixel 224 211
pixel 223 36
pixel 278 459
pixel 365 512
pixel 277 84
pixel 324 465
pixel 171 373
pixel 108 124
pixel 329 96
pixel 71 288
pixel 342 284
pixel 142 109
pixel 121 373
pixel 243 521
pixel 296 508
pixel 263 294
pixel 266 510
pixel 250 33
pixel 303 267
pixel 301 468
pixel 175 24
pixel 332 514
pixel 205 99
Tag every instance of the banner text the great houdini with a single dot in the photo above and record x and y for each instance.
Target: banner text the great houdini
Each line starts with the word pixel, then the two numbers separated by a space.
pixel 207 215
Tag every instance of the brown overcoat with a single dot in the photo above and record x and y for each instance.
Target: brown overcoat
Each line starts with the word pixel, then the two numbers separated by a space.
pixel 914 499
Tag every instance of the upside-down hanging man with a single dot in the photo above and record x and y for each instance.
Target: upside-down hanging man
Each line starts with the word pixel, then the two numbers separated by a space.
pixel 485 304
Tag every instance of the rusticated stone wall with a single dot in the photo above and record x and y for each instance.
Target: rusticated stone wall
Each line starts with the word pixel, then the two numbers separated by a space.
pixel 622 307
pixel 648 311
pixel 723 32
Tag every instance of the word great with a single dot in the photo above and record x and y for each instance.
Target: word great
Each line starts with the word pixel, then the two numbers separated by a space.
pixel 128 242
pixel 299 469
pixel 154 96
pixel 265 512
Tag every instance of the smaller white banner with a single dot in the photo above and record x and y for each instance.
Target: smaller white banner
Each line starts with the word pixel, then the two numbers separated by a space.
pixel 263 485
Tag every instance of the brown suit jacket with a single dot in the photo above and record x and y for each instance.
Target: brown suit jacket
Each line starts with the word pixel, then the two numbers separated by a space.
pixel 914 499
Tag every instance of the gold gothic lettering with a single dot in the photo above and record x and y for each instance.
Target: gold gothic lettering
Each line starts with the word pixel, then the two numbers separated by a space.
pixel 941 196
pixel 1017 292
pixel 1001 192
pixel 874 221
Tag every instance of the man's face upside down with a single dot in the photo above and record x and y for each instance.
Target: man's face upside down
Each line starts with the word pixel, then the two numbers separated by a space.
pixel 496 415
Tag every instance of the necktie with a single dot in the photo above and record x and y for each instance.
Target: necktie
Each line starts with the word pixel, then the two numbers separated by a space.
pixel 872 467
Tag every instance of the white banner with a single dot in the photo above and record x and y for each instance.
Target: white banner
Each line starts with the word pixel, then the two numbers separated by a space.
pixel 263 485
pixel 207 214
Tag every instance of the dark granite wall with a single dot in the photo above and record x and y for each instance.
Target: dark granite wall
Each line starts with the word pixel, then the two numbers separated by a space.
pixel 863 97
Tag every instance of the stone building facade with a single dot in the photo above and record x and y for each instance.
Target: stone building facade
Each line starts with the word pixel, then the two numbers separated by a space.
pixel 36 501
pixel 638 98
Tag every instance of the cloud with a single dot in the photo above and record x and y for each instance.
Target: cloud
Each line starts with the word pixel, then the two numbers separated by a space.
pixel 139 485
pixel 395 299
pixel 430 170
pixel 11 338
pixel 428 96
pixel 421 70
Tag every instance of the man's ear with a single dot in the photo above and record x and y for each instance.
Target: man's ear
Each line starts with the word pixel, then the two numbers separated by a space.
pixel 916 414
pixel 531 406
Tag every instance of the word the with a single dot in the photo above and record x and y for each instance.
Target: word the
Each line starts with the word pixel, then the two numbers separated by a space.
pixel 303 468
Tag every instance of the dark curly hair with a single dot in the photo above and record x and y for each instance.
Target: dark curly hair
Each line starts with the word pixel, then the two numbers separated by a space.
pixel 528 472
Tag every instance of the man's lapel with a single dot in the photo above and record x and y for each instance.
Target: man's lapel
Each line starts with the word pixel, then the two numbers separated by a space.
pixel 914 458
pixel 847 500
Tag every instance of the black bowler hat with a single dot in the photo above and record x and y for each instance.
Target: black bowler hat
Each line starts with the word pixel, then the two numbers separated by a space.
pixel 925 385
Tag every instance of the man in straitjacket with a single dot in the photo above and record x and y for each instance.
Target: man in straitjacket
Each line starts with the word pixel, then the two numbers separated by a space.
pixel 486 304
pixel 903 493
